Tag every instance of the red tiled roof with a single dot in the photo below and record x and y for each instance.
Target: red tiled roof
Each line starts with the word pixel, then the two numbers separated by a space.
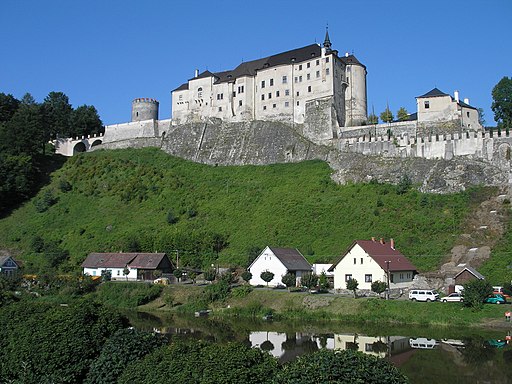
pixel 120 260
pixel 381 253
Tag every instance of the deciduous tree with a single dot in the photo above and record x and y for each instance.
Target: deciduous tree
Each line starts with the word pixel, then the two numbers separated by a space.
pixel 289 280
pixel 309 280
pixel 402 114
pixel 267 276
pixel 502 102
pixel 352 285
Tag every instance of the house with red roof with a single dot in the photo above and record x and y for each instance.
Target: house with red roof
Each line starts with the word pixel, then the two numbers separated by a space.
pixel 373 260
pixel 279 261
pixel 140 266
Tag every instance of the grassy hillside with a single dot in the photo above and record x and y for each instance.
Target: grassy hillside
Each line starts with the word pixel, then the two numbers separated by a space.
pixel 146 200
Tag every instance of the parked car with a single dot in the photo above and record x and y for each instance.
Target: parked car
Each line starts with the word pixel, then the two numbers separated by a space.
pixel 495 299
pixel 502 291
pixel 423 295
pixel 452 297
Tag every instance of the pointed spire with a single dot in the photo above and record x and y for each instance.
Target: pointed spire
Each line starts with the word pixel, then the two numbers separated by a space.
pixel 327 41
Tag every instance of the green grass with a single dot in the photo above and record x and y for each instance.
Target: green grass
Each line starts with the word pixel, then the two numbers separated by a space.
pixel 120 201
pixel 127 295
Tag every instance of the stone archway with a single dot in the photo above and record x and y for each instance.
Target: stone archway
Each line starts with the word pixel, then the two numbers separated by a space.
pixel 95 143
pixel 79 147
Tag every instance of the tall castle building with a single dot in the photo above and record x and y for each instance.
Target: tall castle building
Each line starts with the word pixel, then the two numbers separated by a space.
pixel 309 84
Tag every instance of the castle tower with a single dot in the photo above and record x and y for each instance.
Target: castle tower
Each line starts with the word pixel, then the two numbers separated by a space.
pixel 355 94
pixel 144 109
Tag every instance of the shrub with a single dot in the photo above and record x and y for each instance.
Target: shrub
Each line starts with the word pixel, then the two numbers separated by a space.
pixel 475 291
pixel 44 202
pixel 309 280
pixel 242 291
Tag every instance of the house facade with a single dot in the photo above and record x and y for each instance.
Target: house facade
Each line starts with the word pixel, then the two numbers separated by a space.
pixel 279 261
pixel 140 266
pixel 284 87
pixel 8 266
pixel 371 260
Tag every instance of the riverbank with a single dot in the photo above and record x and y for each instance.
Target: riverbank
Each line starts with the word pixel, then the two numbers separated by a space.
pixel 326 307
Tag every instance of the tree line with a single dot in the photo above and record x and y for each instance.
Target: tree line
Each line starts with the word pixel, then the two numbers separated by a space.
pixel 26 128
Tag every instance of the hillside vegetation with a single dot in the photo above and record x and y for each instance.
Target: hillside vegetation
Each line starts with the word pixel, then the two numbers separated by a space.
pixel 145 200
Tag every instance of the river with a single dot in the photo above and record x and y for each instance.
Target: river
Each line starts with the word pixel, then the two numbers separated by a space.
pixel 425 355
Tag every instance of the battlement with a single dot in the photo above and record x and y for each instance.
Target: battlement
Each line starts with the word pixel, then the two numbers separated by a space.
pixel 145 100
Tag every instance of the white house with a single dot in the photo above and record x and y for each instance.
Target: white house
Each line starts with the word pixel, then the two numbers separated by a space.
pixel 8 265
pixel 370 260
pixel 141 266
pixel 279 261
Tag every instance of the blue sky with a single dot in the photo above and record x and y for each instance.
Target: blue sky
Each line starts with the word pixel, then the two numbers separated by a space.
pixel 107 52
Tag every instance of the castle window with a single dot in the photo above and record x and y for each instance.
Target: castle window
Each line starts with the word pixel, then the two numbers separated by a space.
pixel 309 88
pixel 199 93
pixel 427 104
pixel 234 94
pixel 308 65
pixel 263 84
pixel 296 79
pixel 327 59
pixel 285 79
pixel 308 76
pixel 239 103
pixel 318 62
pixel 317 74
pixel 264 107
pixel 286 104
pixel 271 82
pixel 220 109
pixel 180 97
pixel 297 103
pixel 241 89
pixel 274 105
pixel 467 113
pixel 300 79
pixel 287 92
pixel 300 67
pixel 262 97
pixel 298 93
pixel 220 96
pixel 327 71
pixel 269 95
pixel 277 93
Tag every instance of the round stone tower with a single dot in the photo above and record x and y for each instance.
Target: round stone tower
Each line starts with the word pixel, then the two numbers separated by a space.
pixel 355 94
pixel 144 109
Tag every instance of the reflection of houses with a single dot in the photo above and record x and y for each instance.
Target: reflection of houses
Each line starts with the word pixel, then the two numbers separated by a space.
pixel 370 260
pixel 279 261
pixel 288 346
pixel 371 345
pixel 140 266
pixel 8 265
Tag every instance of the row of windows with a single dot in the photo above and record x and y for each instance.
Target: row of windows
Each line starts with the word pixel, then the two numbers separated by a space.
pixel 286 93
pixel 286 105
pixel 298 79
pixel 308 65
pixel 367 278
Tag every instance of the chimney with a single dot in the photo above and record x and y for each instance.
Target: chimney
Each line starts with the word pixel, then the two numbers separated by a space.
pixel 466 100
pixel 382 241
pixel 392 241
pixel 373 238
pixel 456 96
pixel 196 73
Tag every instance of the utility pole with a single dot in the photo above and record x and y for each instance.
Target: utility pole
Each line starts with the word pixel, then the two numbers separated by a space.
pixel 387 273
pixel 177 258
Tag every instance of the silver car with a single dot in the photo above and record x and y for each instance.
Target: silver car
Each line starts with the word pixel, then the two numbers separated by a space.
pixel 452 297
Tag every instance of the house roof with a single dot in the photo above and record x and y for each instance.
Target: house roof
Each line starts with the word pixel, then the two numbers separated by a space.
pixel 381 253
pixel 3 260
pixel 120 260
pixel 292 259
pixel 471 270
pixel 433 93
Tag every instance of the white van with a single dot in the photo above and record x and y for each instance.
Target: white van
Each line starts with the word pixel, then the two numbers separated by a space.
pixel 423 295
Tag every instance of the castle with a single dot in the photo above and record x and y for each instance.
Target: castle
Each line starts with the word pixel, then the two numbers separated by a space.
pixel 282 87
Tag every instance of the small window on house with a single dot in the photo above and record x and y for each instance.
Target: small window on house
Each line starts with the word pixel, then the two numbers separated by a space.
pixel 327 59
pixel 355 261
pixel 427 104
pixel 308 65
pixel 317 74
pixel 327 71
pixel 367 278
pixel 220 109
pixel 296 79
pixel 309 88
pixel 239 103
pixel 467 113
pixel 271 82
pixel 297 103
pixel 285 79
pixel 286 104
pixel 308 76
pixel 94 273
pixel 277 93
pixel 300 67
pixel 361 260
pixel 263 84
pixel 300 79
pixel 118 272
pixel 241 89
pixel 274 105
pixel 220 96
pixel 269 95
pixel 234 94
pixel 348 277
pixel 287 92
pixel 264 107
pixel 297 93
pixel 262 97
pixel 318 62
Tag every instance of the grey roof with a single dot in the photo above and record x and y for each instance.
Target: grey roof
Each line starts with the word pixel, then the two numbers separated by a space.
pixel 120 260
pixel 182 87
pixel 433 93
pixel 471 270
pixel 3 260
pixel 292 259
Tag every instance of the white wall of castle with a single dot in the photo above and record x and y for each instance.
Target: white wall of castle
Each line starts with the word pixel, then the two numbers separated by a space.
pixel 277 93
